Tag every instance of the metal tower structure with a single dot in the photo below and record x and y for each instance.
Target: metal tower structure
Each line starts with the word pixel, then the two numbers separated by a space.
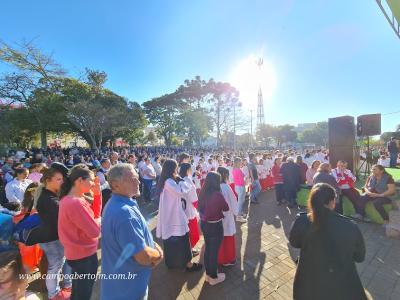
pixel 391 10
pixel 260 102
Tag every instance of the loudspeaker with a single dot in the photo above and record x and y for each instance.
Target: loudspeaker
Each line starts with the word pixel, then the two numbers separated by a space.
pixel 368 125
pixel 342 140
pixel 341 131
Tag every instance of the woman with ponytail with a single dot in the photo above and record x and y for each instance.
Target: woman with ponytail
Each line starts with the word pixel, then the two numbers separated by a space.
pixel 79 227
pixel 47 206
pixel 330 244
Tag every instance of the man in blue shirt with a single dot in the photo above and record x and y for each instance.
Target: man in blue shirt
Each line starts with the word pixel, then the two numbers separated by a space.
pixel 128 250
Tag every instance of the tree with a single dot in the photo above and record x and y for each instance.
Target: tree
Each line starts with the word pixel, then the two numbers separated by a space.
pixel 197 125
pixel 31 62
pixel 284 134
pixel 317 135
pixel 165 113
pixel 265 132
pixel 223 95
pixel 15 88
pixel 194 92
pixel 151 137
pixel 385 137
pixel 98 114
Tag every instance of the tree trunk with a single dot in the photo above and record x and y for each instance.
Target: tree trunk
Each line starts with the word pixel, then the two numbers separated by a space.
pixel 43 139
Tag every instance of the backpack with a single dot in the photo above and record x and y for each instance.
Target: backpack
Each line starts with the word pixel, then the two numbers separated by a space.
pixel 23 228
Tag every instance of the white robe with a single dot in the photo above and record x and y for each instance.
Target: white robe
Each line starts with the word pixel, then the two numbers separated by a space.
pixel 229 216
pixel 171 219
pixel 190 197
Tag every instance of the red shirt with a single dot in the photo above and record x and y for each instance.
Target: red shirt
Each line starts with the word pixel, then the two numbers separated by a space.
pixel 214 206
pixel 276 174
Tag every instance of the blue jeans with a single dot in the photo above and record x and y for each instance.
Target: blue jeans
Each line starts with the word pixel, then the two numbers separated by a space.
pixel 55 256
pixel 255 190
pixel 393 160
pixel 147 184
pixel 241 192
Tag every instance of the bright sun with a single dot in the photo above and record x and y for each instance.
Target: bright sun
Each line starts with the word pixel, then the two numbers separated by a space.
pixel 247 77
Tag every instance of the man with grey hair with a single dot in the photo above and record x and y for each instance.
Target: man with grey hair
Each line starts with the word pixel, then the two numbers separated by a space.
pixel 127 245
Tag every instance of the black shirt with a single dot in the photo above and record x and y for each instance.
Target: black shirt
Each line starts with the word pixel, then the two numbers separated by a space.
pixel 253 169
pixel 47 208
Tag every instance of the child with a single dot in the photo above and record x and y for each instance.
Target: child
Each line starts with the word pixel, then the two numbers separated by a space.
pixel 227 251
pixel 190 197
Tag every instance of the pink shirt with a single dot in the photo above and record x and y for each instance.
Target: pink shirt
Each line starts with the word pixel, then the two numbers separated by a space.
pixel 238 177
pixel 78 230
pixel 35 176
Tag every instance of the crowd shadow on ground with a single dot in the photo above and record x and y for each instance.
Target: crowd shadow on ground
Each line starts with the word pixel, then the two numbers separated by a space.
pixel 244 280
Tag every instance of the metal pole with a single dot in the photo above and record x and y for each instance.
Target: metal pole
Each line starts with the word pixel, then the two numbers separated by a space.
pixel 251 128
pixel 234 127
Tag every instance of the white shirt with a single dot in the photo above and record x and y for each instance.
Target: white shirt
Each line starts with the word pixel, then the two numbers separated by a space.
pixel 245 170
pixel 190 197
pixel 230 169
pixel 268 164
pixel 229 216
pixel 384 162
pixel 102 178
pixel 262 171
pixel 171 219
pixel 140 166
pixel 148 172
pixel 15 190
pixel 157 168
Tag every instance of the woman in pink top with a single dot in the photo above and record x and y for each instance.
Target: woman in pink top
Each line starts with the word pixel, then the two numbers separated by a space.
pixel 35 172
pixel 238 179
pixel 79 227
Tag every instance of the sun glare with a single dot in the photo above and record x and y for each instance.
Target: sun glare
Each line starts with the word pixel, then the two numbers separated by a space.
pixel 247 77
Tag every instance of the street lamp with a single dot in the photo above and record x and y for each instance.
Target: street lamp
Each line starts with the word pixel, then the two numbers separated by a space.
pixel 251 128
pixel 235 103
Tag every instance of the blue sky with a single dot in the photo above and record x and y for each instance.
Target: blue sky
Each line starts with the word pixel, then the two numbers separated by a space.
pixel 330 58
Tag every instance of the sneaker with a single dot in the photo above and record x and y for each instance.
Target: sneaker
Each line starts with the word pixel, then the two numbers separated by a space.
pixel 220 278
pixel 357 216
pixel 232 263
pixel 241 219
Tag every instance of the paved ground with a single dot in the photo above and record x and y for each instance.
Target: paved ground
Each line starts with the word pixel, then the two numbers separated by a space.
pixel 265 267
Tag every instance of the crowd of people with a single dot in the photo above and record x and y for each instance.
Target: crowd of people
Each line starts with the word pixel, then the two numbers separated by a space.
pixel 80 195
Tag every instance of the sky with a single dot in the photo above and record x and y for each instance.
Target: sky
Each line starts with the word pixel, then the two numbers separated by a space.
pixel 322 58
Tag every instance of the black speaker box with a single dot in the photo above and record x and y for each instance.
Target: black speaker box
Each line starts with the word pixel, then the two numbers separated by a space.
pixel 369 125
pixel 341 131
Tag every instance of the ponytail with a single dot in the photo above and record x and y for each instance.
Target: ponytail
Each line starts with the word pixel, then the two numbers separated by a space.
pixel 78 171
pixel 321 195
pixel 65 187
